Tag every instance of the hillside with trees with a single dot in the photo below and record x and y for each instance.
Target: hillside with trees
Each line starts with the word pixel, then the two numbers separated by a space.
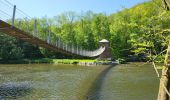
pixel 135 34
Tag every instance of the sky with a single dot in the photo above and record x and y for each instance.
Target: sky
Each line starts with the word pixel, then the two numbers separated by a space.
pixel 50 8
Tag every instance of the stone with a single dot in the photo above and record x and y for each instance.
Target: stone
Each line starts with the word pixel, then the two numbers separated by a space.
pixel 106 55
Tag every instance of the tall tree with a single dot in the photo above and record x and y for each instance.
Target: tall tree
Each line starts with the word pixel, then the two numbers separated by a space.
pixel 165 78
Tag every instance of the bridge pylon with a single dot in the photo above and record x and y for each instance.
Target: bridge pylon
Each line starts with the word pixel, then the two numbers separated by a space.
pixel 106 55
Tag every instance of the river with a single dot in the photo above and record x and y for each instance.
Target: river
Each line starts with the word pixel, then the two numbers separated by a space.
pixel 73 82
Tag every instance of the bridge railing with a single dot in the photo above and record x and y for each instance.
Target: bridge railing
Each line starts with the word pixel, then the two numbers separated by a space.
pixel 19 19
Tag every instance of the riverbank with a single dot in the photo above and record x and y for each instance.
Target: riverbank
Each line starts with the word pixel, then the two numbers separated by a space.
pixel 87 62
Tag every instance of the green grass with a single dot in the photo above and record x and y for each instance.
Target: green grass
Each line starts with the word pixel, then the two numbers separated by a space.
pixel 54 61
pixel 65 61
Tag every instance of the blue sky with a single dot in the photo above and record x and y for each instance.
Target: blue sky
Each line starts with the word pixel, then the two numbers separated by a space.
pixel 50 8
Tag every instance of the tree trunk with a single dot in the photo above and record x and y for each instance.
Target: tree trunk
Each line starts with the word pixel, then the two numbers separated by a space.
pixel 166 5
pixel 164 81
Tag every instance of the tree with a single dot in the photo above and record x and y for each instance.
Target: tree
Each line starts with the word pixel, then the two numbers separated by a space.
pixel 164 81
pixel 9 49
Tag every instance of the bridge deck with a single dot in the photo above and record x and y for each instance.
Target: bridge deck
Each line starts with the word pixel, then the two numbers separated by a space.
pixel 15 32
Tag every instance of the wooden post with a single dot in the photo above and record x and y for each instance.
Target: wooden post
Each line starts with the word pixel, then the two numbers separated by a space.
pixel 164 81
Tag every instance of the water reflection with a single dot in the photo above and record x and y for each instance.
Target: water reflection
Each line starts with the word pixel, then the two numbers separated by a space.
pixel 95 89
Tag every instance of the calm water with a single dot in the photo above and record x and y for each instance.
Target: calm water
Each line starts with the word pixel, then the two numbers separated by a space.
pixel 71 82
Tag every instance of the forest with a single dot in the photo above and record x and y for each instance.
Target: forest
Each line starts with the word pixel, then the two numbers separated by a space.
pixel 135 34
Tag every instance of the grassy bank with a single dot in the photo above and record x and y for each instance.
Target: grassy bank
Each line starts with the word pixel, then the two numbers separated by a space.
pixel 56 61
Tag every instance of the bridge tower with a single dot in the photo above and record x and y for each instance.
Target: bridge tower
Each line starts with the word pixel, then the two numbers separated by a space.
pixel 106 55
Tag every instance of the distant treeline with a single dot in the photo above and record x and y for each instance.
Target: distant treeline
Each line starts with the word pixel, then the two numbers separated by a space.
pixel 137 33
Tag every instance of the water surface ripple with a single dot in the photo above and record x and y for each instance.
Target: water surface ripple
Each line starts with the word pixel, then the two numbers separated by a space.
pixel 72 82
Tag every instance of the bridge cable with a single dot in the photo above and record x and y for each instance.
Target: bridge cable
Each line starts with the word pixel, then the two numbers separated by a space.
pixel 10 6
pixel 8 2
pixel 5 13
pixel 17 9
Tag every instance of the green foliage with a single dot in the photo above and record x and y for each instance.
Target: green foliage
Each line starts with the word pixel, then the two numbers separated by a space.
pixel 13 49
pixel 141 31
pixel 9 48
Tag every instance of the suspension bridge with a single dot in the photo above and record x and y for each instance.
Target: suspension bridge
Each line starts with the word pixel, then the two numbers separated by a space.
pixel 30 34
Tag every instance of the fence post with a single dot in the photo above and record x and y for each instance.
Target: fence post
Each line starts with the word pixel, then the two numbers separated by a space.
pixel 35 27
pixel 13 16
pixel 27 23
pixel 19 25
